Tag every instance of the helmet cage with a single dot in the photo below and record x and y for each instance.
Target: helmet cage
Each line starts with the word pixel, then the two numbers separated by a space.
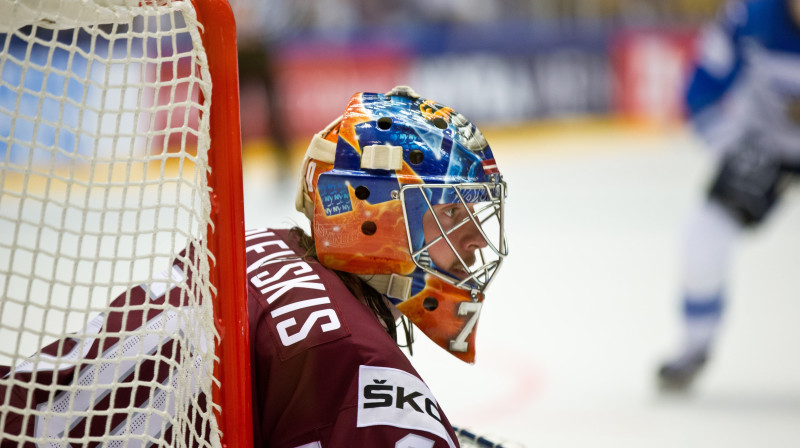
pixel 483 204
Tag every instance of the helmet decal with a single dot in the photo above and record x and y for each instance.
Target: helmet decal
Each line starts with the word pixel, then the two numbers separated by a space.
pixel 468 133
pixel 413 192
pixel 342 235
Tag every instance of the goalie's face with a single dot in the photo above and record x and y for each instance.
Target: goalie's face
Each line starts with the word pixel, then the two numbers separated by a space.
pixel 455 238
pixel 456 231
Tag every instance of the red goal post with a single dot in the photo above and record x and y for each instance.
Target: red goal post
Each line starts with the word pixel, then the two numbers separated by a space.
pixel 227 241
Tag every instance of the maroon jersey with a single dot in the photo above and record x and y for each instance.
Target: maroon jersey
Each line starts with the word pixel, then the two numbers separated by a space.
pixel 325 371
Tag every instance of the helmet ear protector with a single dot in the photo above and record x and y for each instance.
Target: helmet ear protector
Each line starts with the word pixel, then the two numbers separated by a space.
pixel 405 193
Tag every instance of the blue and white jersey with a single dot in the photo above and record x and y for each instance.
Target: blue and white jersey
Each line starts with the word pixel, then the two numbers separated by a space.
pixel 747 77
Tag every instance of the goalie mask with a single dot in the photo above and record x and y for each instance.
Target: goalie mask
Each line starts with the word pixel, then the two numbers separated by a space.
pixel 405 192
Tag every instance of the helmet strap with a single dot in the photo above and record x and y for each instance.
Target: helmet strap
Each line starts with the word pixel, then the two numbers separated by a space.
pixel 391 285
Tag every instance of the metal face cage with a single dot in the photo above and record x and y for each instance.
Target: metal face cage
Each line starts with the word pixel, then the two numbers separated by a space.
pixel 456 231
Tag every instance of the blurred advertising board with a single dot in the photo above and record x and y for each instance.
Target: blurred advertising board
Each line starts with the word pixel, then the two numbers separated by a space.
pixel 495 73
pixel 651 68
pixel 499 72
pixel 316 80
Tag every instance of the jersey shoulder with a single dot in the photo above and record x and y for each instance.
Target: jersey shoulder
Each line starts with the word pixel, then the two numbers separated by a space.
pixel 293 296
pixel 303 304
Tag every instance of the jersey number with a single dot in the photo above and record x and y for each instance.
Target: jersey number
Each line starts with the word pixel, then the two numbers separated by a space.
pixel 460 344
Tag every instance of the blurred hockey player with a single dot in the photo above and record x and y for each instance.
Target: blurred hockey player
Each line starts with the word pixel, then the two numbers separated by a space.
pixel 744 101
pixel 406 206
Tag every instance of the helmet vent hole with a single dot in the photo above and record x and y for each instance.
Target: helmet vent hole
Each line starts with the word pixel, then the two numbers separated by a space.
pixel 430 303
pixel 362 192
pixel 369 228
pixel 416 157
pixel 384 123
pixel 440 123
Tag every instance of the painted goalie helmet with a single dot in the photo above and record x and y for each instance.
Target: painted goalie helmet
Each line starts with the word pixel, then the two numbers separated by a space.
pixel 405 192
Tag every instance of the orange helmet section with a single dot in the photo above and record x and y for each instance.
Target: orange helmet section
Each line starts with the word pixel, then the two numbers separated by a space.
pixel 448 314
pixel 369 236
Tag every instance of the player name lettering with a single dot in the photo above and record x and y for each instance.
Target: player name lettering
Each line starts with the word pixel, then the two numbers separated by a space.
pixel 280 272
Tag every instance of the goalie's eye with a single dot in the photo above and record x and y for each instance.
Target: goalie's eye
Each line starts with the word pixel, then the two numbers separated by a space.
pixel 450 211
pixel 455 239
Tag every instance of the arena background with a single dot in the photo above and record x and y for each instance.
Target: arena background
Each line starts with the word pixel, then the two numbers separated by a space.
pixel 581 103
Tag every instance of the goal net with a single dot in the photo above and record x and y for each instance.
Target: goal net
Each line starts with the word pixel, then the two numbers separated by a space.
pixel 121 226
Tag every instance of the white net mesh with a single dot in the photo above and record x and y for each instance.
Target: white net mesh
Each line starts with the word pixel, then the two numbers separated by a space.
pixel 104 138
